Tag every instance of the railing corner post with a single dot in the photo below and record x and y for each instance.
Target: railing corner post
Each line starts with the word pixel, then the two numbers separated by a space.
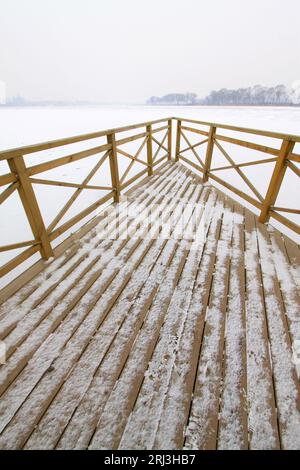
pixel 31 207
pixel 113 163
pixel 276 180
pixel 149 150
pixel 209 153
pixel 178 135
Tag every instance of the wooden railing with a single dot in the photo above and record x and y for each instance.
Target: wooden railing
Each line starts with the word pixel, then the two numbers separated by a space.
pixel 282 158
pixel 22 177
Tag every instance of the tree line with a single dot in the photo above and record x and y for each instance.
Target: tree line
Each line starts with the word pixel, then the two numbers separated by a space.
pixel 256 96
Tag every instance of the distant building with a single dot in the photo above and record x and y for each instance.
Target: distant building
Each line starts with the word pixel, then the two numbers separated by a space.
pixel 2 92
pixel 16 101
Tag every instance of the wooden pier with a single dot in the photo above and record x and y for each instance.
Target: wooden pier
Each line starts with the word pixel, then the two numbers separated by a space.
pixel 176 327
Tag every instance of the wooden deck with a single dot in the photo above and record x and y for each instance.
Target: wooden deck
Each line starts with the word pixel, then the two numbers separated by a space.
pixel 153 342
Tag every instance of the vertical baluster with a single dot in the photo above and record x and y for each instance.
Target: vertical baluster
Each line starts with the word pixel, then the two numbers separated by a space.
pixel 113 163
pixel 209 153
pixel 31 207
pixel 276 180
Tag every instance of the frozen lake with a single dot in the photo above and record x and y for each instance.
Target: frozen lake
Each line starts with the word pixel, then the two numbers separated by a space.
pixel 25 126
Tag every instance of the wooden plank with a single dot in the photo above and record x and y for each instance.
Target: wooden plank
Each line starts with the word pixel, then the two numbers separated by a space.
pixel 15 246
pixel 209 153
pixel 85 267
pixel 133 158
pixel 94 245
pixel 8 191
pixel 76 194
pixel 285 221
pixel 250 145
pixel 161 299
pixel 81 215
pixel 159 129
pixel 131 378
pixel 236 191
pixel 132 138
pixel 276 179
pixel 31 272
pixel 36 169
pixel 174 417
pixel 157 162
pixel 293 254
pixel 294 157
pixel 240 165
pixel 288 281
pixel 7 179
pixel 105 307
pixel 192 148
pixel 294 168
pixel 166 166
pixel 285 209
pixel 195 131
pixel 285 377
pixel 160 145
pixel 68 185
pixel 203 422
pixel 17 260
pixel 30 205
pixel 262 416
pixel 233 422
pixel 189 162
pixel 239 171
pixel 137 307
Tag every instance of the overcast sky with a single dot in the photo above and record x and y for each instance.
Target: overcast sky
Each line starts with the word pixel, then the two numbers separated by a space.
pixel 128 50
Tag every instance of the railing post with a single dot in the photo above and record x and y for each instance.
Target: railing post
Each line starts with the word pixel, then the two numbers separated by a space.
pixel 31 207
pixel 170 139
pixel 149 150
pixel 178 135
pixel 209 153
pixel 276 180
pixel 113 163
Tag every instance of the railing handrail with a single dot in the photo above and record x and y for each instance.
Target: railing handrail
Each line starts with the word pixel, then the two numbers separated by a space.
pixel 284 158
pixel 27 149
pixel 275 135
pixel 20 177
pixel 20 180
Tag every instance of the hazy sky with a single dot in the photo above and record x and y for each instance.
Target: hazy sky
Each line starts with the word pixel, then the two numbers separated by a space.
pixel 128 50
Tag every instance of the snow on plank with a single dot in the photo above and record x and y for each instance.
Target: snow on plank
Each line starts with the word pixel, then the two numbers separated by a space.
pixel 262 417
pixel 285 377
pixel 202 428
pixel 129 383
pixel 233 426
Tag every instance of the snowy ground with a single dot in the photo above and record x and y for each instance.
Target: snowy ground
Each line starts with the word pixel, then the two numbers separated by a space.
pixel 24 126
